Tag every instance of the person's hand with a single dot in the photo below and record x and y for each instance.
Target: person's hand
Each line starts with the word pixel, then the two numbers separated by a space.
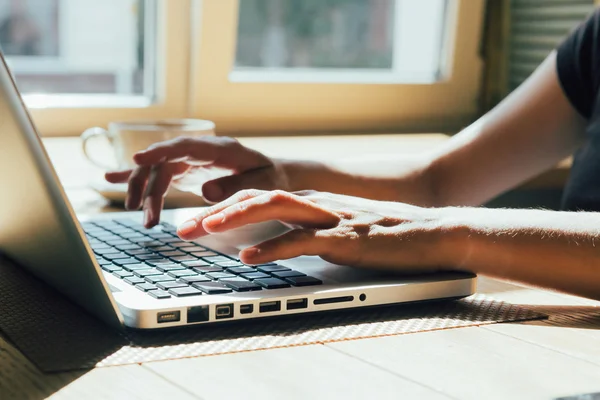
pixel 340 229
pixel 166 162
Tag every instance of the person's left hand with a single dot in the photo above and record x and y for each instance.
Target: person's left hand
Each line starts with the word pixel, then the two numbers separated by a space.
pixel 340 229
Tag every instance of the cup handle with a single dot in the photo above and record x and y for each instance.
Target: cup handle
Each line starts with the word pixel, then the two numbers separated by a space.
pixel 93 133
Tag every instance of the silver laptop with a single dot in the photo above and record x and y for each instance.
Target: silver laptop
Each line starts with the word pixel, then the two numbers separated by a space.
pixel 127 275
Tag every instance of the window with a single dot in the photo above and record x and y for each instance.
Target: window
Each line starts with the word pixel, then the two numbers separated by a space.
pixel 65 46
pixel 252 66
pixel 350 41
pixel 535 31
pixel 81 63
pixel 262 66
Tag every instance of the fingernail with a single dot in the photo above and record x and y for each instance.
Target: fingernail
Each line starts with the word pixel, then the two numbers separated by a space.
pixel 187 227
pixel 212 191
pixel 148 217
pixel 214 220
pixel 250 253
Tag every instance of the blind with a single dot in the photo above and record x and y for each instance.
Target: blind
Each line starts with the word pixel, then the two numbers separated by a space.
pixel 537 27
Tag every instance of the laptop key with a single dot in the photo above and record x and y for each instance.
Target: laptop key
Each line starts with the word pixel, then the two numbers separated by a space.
pixel 117 242
pixel 110 250
pixel 219 275
pixel 122 274
pixel 287 274
pixel 139 252
pixel 111 268
pixel 142 273
pixel 159 278
pixel 115 256
pixel 162 248
pixel 239 270
pixel 195 248
pixel 159 294
pixel 142 241
pixel 134 280
pixel 182 273
pixel 100 246
pixel 172 253
pixel 170 240
pixel 203 253
pixel 148 243
pixel 272 283
pixel 205 270
pixel 102 261
pixel 303 281
pixel 185 292
pixel 267 269
pixel 193 279
pixel 216 259
pixel 104 235
pixel 241 285
pixel 146 257
pixel 130 246
pixel 135 267
pixel 170 267
pixel 144 287
pixel 255 275
pixel 158 261
pixel 171 285
pixel 132 236
pixel 196 263
pixel 125 261
pixel 231 264
pixel 184 258
pixel 212 287
pixel 159 236
pixel 179 244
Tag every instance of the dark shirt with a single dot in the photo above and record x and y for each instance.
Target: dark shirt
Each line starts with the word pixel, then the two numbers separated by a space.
pixel 578 66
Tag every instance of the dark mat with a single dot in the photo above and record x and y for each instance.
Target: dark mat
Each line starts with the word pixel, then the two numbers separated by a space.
pixel 56 335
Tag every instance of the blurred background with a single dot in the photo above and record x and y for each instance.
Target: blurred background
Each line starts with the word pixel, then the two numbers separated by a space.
pixel 275 67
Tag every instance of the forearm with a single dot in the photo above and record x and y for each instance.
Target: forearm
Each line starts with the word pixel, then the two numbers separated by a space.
pixel 555 250
pixel 404 179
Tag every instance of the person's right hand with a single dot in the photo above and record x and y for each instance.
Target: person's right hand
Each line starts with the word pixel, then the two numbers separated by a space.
pixel 166 162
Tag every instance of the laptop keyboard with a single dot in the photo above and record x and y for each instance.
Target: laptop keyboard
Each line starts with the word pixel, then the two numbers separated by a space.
pixel 160 264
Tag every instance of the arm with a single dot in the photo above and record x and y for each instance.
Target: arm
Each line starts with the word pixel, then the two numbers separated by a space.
pixel 529 132
pixel 532 130
pixel 556 250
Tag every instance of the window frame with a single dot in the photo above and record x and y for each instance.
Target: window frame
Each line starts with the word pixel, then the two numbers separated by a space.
pixel 250 108
pixel 55 115
pixel 193 80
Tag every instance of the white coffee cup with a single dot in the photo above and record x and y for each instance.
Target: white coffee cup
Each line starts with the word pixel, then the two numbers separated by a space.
pixel 130 137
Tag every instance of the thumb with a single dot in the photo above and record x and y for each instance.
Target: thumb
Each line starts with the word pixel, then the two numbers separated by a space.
pixel 220 189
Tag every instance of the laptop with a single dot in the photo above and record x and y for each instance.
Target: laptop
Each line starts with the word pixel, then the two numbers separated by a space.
pixel 127 275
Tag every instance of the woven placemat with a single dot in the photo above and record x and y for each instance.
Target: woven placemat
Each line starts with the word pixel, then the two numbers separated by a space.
pixel 57 335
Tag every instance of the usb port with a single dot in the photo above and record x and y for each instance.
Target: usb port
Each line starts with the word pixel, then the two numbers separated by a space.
pixel 297 304
pixel 224 311
pixel 169 316
pixel 246 308
pixel 270 306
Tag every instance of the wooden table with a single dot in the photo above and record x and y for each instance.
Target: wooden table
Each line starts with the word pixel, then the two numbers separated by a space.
pixel 542 359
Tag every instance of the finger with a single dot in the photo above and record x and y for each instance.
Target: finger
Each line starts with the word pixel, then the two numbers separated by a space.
pixel 273 206
pixel 137 185
pixel 192 229
pixel 118 176
pixel 158 185
pixel 223 188
pixel 300 242
pixel 220 151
